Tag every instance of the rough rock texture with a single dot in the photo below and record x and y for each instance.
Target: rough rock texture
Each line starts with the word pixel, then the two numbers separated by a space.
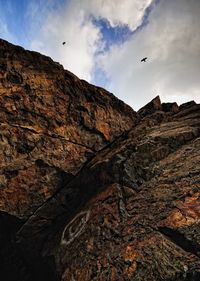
pixel 133 212
pixel 51 123
pixel 130 210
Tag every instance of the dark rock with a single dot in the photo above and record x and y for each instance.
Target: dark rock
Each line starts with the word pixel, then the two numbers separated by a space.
pixel 187 105
pixel 14 78
pixel 170 107
pixel 151 107
pixel 15 262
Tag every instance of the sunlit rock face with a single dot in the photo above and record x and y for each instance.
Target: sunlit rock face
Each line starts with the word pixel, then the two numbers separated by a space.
pixel 90 189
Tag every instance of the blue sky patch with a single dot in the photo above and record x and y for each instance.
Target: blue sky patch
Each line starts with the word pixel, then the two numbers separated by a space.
pixel 12 13
pixel 112 35
pixel 19 22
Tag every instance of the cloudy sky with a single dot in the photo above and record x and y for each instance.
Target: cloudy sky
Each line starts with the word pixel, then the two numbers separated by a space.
pixel 106 39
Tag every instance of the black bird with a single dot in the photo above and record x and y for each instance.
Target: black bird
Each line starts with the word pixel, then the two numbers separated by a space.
pixel 63 43
pixel 144 59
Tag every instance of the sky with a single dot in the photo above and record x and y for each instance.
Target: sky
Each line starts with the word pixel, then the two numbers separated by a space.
pixel 106 40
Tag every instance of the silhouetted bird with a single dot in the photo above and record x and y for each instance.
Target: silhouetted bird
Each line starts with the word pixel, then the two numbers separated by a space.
pixel 144 59
pixel 63 43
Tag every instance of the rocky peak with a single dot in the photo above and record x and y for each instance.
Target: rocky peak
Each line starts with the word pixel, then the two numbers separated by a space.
pixel 151 107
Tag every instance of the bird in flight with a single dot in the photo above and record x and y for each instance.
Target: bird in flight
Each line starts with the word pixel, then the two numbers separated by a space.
pixel 144 59
pixel 64 43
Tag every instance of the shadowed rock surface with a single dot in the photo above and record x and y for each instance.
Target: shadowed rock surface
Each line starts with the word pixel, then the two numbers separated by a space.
pixel 107 194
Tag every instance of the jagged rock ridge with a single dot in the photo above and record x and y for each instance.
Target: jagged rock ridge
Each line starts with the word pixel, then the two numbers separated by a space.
pixel 98 191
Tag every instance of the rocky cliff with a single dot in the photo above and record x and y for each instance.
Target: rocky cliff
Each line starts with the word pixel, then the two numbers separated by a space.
pixel 90 189
pixel 51 124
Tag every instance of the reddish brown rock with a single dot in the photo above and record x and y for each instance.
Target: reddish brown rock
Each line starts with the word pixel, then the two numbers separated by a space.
pixel 144 226
pixel 133 212
pixel 51 123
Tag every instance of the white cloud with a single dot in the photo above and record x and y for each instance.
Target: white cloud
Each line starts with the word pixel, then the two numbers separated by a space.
pixel 117 12
pixel 171 41
pixel 81 37
pixel 74 25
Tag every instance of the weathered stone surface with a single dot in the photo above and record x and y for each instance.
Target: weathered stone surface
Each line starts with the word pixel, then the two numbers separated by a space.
pixel 130 212
pixel 51 123
pixel 133 212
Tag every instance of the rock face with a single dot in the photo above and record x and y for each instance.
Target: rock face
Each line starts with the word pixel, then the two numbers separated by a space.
pixel 91 190
pixel 51 124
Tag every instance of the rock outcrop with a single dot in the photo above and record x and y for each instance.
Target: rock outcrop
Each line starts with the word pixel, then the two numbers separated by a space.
pixel 51 124
pixel 90 189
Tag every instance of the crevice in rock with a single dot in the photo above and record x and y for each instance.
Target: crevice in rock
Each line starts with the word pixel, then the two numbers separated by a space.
pixel 53 135
pixel 123 136
pixel 65 179
pixel 180 240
